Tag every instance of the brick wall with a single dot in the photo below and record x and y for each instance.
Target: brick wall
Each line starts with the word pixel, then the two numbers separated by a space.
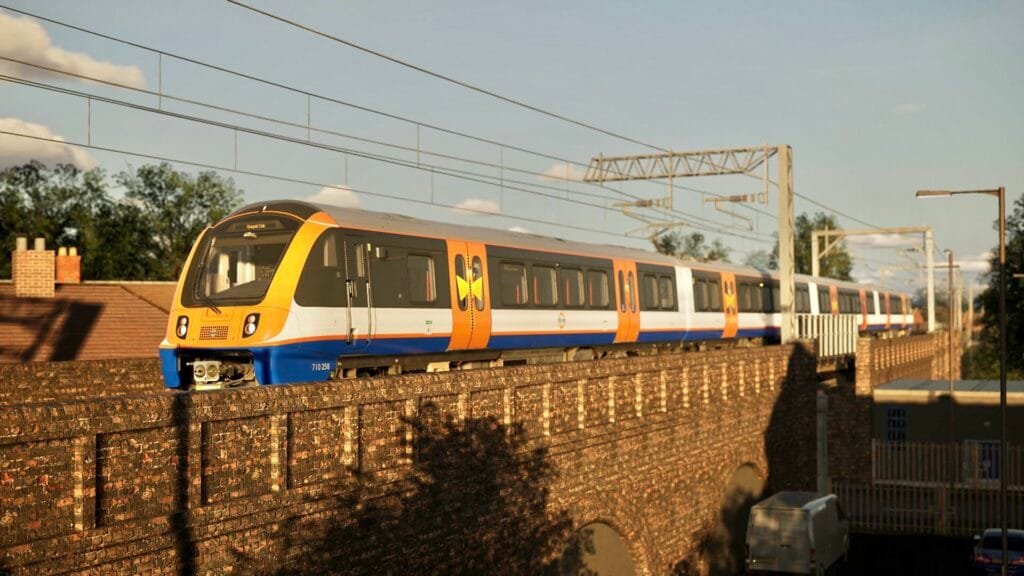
pixel 33 273
pixel 32 382
pixel 249 480
pixel 921 357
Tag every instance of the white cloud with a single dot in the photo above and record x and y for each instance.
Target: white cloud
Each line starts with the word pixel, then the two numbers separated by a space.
pixel 564 172
pixel 519 229
pixel 24 39
pixel 885 240
pixel 478 205
pixel 15 150
pixel 908 109
pixel 335 196
pixel 978 263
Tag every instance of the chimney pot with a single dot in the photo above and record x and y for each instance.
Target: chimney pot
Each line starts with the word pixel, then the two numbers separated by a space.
pixel 62 251
pixel 21 244
pixel 73 251
pixel 40 245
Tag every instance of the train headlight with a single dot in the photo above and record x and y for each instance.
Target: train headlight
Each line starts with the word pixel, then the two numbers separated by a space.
pixel 182 329
pixel 199 371
pixel 252 321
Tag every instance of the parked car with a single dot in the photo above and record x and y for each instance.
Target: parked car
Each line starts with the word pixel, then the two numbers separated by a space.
pixel 797 533
pixel 988 552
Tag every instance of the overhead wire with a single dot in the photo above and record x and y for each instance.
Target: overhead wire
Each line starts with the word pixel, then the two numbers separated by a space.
pixel 686 218
pixel 452 172
pixel 233 170
pixel 444 77
pixel 367 109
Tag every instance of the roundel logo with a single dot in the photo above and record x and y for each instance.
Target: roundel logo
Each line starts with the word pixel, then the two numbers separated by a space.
pixel 561 319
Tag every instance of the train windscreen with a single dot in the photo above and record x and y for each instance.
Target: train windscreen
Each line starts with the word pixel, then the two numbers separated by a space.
pixel 238 259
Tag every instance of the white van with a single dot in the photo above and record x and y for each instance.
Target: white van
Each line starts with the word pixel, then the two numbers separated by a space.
pixel 797 533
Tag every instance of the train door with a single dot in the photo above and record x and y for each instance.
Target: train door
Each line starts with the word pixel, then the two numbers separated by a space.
pixel 833 296
pixel 730 305
pixel 626 297
pixel 471 307
pixel 888 314
pixel 359 253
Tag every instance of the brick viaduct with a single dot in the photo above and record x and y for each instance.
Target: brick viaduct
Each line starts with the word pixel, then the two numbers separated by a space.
pixel 245 480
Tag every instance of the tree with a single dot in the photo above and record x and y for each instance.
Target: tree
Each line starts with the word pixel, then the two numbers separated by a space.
pixel 838 264
pixel 58 204
pixel 759 259
pixel 177 206
pixel 145 236
pixel 691 247
pixel 982 361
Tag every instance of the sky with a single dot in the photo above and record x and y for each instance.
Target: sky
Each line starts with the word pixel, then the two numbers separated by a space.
pixel 877 100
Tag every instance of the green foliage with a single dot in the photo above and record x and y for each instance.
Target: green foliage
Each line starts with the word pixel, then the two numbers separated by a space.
pixel 760 259
pixel 691 247
pixel 838 264
pixel 177 206
pixel 1014 298
pixel 144 236
pixel 981 362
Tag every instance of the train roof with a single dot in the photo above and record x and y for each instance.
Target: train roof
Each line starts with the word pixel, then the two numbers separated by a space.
pixel 400 224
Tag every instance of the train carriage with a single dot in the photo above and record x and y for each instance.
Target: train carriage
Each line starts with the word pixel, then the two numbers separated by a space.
pixel 288 291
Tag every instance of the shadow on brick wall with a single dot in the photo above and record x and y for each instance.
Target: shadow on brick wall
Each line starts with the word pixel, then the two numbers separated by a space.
pixel 789 445
pixel 475 501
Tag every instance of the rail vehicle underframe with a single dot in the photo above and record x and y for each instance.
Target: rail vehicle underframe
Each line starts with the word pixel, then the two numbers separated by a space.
pixel 191 367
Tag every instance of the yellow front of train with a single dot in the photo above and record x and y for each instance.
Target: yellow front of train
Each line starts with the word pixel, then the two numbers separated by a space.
pixel 234 296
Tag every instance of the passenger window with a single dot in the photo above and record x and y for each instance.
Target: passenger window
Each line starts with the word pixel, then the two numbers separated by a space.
pixel 700 295
pixel 545 286
pixel 572 286
pixel 824 302
pixel 631 290
pixel 322 282
pixel 597 288
pixel 650 294
pixel 360 250
pixel 476 283
pixel 871 302
pixel 715 295
pixel 666 294
pixel 460 279
pixel 513 284
pixel 422 284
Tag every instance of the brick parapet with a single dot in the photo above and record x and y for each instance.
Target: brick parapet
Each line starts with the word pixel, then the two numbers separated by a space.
pixel 646 444
pixel 32 382
pixel 878 361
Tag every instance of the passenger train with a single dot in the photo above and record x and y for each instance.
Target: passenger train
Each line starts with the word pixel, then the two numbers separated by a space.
pixel 289 291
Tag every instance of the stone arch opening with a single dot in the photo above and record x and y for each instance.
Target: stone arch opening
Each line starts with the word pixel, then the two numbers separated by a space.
pixel 728 536
pixel 603 551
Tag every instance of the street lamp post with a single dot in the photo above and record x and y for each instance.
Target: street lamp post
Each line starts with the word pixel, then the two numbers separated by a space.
pixel 1000 194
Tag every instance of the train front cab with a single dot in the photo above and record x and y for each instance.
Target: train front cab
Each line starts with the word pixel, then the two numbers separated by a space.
pixel 234 295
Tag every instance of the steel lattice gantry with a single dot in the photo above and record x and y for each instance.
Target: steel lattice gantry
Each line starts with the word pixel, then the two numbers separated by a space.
pixel 721 162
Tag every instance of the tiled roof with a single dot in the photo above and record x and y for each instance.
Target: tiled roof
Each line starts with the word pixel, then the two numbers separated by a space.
pixel 84 322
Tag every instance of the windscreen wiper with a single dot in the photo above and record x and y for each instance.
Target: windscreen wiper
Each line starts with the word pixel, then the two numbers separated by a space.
pixel 209 302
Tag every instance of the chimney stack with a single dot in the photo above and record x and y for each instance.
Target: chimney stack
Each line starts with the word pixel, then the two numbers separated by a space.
pixel 32 270
pixel 69 266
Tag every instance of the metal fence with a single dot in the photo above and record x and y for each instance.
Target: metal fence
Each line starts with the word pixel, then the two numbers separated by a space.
pixel 835 335
pixel 971 464
pixel 934 510
pixel 935 488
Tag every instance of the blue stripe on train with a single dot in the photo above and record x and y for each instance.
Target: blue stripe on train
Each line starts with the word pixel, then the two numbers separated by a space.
pixel 313 361
pixel 517 341
pixel 308 361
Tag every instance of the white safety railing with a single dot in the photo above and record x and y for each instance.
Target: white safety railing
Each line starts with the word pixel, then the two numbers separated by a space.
pixel 835 335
